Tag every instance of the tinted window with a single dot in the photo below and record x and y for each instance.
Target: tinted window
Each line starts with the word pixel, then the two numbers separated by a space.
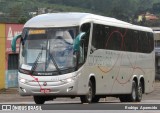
pixel 115 38
pixel 100 35
pixel 145 42
pixel 128 41
pixel 114 41
pixel 106 37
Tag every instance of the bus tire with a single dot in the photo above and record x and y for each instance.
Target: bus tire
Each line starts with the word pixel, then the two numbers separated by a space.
pixel 88 98
pixel 132 97
pixel 96 99
pixel 123 98
pixel 39 99
pixel 139 92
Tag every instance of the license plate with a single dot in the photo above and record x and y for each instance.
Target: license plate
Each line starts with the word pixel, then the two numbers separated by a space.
pixel 45 90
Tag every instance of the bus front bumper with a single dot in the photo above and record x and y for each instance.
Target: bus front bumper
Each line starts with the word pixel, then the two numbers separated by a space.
pixel 66 89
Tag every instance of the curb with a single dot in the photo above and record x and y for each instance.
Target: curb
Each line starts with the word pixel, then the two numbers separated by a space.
pixel 9 91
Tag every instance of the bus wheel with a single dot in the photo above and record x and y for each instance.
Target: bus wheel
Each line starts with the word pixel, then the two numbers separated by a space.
pixel 123 98
pixel 96 99
pixel 139 92
pixel 132 97
pixel 88 98
pixel 39 99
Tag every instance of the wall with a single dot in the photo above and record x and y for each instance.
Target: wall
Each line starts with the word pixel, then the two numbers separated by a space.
pixel 12 30
pixel 2 56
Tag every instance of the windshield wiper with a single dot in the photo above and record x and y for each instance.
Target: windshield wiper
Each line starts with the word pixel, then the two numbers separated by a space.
pixel 36 61
pixel 54 62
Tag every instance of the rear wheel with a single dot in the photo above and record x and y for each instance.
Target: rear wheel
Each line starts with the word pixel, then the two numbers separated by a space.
pixel 139 92
pixel 131 97
pixel 88 98
pixel 96 99
pixel 39 99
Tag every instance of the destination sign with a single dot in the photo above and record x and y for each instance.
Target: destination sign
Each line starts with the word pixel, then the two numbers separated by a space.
pixel 33 32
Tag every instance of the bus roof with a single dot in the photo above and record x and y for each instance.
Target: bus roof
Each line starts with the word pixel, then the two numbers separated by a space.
pixel 77 19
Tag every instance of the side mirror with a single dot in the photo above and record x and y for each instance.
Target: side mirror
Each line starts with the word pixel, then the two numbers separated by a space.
pixel 13 43
pixel 76 48
pixel 76 44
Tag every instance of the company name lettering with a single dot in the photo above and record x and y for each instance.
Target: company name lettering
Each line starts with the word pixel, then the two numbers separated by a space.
pixel 12 33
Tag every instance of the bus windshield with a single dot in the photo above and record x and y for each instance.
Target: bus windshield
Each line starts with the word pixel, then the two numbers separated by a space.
pixel 47 50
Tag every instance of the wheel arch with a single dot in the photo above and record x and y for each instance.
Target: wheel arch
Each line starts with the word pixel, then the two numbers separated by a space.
pixel 135 78
pixel 142 81
pixel 92 78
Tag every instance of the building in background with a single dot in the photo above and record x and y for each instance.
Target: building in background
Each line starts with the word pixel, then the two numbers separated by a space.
pixel 157 51
pixel 2 56
pixel 147 17
pixel 8 60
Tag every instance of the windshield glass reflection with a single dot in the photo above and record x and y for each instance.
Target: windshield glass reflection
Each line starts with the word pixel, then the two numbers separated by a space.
pixel 55 46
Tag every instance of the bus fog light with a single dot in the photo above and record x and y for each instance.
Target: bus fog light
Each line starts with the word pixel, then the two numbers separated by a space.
pixel 24 90
pixel 69 89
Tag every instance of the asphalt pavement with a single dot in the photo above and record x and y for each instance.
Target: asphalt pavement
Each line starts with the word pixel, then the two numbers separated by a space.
pixel 11 96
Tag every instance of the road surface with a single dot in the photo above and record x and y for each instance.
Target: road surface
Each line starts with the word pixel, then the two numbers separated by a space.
pixel 107 105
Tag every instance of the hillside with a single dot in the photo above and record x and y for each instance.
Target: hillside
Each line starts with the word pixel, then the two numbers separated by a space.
pixel 21 10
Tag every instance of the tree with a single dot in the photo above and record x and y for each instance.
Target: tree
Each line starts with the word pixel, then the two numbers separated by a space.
pixel 14 12
pixel 156 8
pixel 22 20
pixel 144 5
pixel 123 9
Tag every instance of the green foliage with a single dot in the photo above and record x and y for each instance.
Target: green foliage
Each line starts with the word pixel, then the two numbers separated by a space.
pixel 18 10
pixel 156 7
pixel 22 20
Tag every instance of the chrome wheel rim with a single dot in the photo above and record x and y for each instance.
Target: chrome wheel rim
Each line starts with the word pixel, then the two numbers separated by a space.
pixel 134 94
pixel 89 97
pixel 140 92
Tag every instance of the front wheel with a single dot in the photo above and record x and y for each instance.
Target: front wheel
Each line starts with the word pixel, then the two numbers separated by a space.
pixel 39 99
pixel 88 98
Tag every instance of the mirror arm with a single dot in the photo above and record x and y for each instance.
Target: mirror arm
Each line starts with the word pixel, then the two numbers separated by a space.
pixel 13 43
pixel 76 47
pixel 76 44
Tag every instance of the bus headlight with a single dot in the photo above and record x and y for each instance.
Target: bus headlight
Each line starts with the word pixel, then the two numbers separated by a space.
pixel 69 80
pixel 23 80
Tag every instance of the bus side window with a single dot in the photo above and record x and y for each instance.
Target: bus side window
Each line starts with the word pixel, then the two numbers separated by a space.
pixel 114 41
pixel 128 42
pixel 135 41
pixel 143 42
pixel 99 37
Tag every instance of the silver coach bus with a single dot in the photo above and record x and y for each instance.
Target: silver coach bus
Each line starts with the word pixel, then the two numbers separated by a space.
pixel 84 55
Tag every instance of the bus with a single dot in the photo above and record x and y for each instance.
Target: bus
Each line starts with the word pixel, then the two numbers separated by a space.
pixel 84 55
